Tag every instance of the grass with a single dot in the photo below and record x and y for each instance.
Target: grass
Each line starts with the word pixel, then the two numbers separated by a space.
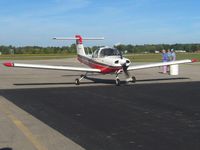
pixel 132 57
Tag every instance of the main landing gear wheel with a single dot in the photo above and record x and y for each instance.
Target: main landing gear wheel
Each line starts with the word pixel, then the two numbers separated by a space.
pixel 117 82
pixel 133 79
pixel 77 81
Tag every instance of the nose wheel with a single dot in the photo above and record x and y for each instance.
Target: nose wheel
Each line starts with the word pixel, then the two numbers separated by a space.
pixel 117 80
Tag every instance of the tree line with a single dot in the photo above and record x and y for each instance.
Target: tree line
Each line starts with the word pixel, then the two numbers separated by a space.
pixel 150 48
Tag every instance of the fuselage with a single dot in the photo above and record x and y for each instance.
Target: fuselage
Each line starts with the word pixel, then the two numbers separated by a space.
pixel 107 62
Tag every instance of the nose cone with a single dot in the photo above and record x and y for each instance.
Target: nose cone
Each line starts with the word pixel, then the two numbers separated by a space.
pixel 122 61
pixel 125 61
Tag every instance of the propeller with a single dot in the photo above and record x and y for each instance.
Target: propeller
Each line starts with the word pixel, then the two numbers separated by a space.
pixel 125 64
pixel 125 67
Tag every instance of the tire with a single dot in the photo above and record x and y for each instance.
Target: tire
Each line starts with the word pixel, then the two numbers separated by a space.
pixel 77 81
pixel 117 82
pixel 133 79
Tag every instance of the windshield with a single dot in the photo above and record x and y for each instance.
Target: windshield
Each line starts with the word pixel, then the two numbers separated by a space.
pixel 109 52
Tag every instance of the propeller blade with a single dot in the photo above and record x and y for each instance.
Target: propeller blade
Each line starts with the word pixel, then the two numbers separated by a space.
pixel 126 71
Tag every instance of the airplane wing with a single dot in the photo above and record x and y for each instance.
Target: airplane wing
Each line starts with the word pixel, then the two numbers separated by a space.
pixel 66 68
pixel 146 66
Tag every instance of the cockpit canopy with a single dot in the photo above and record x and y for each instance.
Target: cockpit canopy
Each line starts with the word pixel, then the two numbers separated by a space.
pixel 103 52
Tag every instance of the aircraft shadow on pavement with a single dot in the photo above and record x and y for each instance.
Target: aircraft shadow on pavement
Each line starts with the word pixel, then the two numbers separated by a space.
pixel 6 148
pixel 162 79
pixel 104 81
pixel 112 81
pixel 98 80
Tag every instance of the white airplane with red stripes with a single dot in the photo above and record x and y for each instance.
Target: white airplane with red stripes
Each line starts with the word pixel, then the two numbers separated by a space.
pixel 105 60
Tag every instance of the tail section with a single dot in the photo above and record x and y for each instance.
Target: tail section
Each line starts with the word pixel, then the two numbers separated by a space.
pixel 79 43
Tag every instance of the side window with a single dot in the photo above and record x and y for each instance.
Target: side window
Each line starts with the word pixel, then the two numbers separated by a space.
pixel 102 53
pixel 95 54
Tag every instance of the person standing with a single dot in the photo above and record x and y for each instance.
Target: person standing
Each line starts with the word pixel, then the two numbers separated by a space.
pixel 173 55
pixel 164 59
pixel 169 55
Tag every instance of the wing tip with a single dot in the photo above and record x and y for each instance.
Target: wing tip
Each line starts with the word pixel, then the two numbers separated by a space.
pixel 8 64
pixel 194 60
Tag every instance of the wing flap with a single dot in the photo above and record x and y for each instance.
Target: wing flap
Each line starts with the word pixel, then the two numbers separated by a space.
pixel 49 67
pixel 146 66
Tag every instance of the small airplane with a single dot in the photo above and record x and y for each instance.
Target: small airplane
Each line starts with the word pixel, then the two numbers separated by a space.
pixel 105 60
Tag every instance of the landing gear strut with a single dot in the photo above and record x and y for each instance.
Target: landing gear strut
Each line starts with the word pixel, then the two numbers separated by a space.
pixel 77 80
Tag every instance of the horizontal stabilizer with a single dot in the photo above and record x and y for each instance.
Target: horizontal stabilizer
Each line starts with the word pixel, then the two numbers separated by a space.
pixel 74 38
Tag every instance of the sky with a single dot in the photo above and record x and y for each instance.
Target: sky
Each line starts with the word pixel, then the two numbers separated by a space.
pixel 35 22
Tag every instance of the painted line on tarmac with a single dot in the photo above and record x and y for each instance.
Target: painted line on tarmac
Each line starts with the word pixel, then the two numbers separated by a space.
pixel 22 127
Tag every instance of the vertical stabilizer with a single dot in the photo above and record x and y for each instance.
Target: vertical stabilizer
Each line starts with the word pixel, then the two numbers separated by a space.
pixel 79 45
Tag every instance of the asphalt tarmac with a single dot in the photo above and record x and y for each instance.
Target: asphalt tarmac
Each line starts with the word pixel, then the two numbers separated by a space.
pixel 43 109
pixel 144 116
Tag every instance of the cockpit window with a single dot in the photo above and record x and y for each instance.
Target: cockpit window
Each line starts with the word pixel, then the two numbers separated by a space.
pixel 95 54
pixel 110 52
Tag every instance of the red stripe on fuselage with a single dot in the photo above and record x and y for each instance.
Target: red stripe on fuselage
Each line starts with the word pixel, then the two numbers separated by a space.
pixel 94 64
